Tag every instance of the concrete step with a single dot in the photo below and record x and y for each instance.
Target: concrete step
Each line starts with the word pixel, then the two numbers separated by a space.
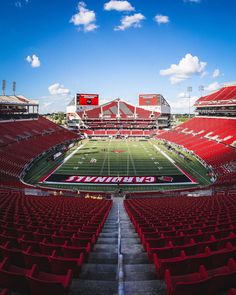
pixel 110 224
pixel 128 241
pixel 133 249
pixel 109 232
pixel 99 275
pixel 153 287
pixel 140 258
pixel 129 231
pixel 105 248
pixel 104 272
pixel 103 258
pixel 93 287
pixel 108 235
pixel 140 276
pixel 110 241
pixel 129 235
pixel 149 267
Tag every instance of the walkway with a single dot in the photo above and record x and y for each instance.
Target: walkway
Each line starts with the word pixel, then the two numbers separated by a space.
pixel 118 263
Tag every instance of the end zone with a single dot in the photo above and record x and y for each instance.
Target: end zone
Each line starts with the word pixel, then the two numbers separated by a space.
pixel 123 180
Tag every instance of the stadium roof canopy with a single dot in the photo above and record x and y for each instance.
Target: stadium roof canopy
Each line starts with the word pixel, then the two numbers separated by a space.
pixel 16 100
pixel 119 108
pixel 224 96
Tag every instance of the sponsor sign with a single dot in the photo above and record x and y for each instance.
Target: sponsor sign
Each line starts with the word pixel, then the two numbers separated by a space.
pixel 87 99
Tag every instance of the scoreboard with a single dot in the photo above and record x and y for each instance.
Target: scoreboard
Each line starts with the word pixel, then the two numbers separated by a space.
pixel 149 100
pixel 87 99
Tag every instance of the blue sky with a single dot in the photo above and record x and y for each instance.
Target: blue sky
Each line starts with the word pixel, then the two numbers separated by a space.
pixel 55 48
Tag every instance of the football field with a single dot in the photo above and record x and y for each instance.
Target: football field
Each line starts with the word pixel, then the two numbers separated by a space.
pixel 121 161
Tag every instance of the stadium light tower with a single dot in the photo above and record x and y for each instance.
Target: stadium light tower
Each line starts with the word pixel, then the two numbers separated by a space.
pixel 201 88
pixel 14 87
pixel 189 90
pixel 3 86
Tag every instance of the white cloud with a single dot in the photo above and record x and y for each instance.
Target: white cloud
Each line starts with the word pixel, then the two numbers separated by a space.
pixel 118 6
pixel 103 101
pixel 204 74
pixel 162 19
pixel 193 1
pixel 57 100
pixel 212 87
pixel 20 3
pixel 182 95
pixel 58 89
pixel 51 104
pixel 33 61
pixel 185 69
pixel 216 73
pixel 181 104
pixel 85 18
pixel 130 21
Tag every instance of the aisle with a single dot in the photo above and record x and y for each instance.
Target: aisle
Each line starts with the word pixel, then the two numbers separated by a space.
pixel 139 273
pixel 99 275
pixel 118 263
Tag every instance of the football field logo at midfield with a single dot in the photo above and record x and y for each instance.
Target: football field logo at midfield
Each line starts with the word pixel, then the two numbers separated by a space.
pixel 119 151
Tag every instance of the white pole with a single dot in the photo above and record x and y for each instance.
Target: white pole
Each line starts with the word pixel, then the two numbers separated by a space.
pixel 189 90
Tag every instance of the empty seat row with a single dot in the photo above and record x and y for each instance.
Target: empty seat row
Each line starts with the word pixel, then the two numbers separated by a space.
pixel 184 234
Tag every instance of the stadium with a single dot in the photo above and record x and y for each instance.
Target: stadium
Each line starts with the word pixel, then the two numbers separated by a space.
pixel 62 226
pixel 117 147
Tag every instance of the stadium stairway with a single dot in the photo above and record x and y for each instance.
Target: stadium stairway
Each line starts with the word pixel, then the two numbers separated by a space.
pixel 139 273
pixel 118 263
pixel 99 275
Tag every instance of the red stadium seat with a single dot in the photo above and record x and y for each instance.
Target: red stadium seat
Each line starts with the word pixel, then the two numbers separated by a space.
pixel 45 283
pixel 60 265
pixel 13 277
pixel 31 257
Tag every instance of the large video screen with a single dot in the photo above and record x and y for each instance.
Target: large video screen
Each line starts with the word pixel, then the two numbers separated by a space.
pixel 87 99
pixel 149 100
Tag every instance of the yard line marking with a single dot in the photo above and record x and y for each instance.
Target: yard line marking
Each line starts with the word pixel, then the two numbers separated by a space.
pixel 131 158
pixel 104 160
pixel 127 164
pixel 108 158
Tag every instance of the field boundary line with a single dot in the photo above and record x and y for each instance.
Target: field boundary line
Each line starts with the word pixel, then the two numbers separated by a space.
pixel 63 162
pixel 108 158
pixel 173 162
pixel 200 176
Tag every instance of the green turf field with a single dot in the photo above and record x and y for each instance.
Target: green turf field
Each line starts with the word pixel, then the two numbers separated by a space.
pixel 120 158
